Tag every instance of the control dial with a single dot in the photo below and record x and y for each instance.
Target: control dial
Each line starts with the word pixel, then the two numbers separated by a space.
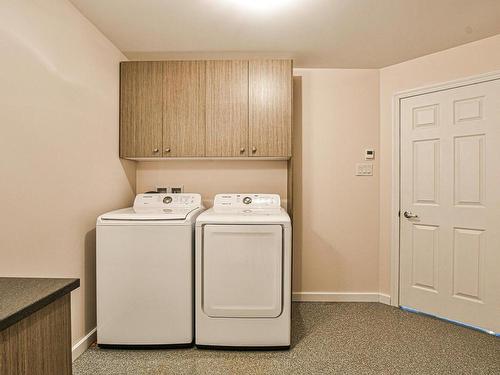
pixel 247 200
pixel 167 200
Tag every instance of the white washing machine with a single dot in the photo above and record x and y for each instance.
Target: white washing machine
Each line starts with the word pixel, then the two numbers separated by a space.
pixel 145 265
pixel 243 273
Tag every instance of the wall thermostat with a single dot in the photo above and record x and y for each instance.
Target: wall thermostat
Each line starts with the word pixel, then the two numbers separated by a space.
pixel 369 154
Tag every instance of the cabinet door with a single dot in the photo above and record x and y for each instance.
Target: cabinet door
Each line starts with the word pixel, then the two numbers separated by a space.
pixel 141 109
pixel 184 109
pixel 227 108
pixel 270 108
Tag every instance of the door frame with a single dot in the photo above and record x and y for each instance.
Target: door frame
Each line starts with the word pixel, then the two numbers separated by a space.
pixel 396 159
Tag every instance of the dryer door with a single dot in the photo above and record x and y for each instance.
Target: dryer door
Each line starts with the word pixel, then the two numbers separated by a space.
pixel 242 271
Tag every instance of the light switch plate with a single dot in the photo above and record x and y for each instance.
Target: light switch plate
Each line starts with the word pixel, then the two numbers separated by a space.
pixel 364 169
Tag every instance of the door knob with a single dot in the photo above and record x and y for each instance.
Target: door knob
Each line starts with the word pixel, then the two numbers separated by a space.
pixel 155 150
pixel 242 150
pixel 254 149
pixel 410 215
pixel 167 149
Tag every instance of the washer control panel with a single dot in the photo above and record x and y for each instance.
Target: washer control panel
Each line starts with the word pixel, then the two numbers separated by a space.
pixel 167 201
pixel 247 201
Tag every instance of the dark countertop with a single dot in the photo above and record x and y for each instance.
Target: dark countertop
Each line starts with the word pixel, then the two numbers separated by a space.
pixel 21 297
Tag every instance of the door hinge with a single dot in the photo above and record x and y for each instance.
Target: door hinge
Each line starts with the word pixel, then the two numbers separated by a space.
pixel 399 213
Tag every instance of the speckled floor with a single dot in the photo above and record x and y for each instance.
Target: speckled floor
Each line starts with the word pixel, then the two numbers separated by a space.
pixel 328 338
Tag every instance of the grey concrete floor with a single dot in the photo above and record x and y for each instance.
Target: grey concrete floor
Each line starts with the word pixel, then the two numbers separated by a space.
pixel 328 338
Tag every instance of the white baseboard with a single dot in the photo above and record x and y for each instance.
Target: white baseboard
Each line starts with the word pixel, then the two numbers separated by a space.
pixel 83 344
pixel 384 298
pixel 340 297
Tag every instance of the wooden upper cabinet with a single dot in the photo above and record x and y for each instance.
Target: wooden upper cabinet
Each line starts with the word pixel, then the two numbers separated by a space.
pixel 141 109
pixel 184 109
pixel 227 108
pixel 223 108
pixel 270 108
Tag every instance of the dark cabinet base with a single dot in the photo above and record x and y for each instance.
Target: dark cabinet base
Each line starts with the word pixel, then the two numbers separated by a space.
pixel 39 344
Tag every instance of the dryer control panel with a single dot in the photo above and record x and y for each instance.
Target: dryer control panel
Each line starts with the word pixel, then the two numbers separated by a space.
pixel 159 201
pixel 247 201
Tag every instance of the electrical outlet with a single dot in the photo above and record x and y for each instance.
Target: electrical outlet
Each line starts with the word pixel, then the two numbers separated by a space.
pixel 162 189
pixel 364 169
pixel 177 189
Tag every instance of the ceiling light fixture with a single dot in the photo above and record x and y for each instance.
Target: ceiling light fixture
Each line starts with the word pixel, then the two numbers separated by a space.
pixel 261 5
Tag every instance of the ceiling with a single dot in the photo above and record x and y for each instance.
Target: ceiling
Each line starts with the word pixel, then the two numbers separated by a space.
pixel 316 33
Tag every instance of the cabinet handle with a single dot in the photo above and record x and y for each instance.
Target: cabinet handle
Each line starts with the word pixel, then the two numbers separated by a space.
pixel 155 150
pixel 242 150
pixel 167 149
pixel 254 149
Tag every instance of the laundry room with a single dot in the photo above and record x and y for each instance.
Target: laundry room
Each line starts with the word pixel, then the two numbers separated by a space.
pixel 249 187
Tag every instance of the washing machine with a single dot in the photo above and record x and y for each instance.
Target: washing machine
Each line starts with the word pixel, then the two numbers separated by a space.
pixel 145 272
pixel 243 273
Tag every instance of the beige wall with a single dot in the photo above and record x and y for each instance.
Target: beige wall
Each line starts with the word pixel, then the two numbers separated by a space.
pixel 470 59
pixel 59 165
pixel 335 212
pixel 209 177
pixel 59 147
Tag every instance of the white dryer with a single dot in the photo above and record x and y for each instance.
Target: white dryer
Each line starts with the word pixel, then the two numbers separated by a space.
pixel 145 264
pixel 243 273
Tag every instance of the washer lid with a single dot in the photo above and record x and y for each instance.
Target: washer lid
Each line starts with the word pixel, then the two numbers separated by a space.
pixel 157 207
pixel 131 214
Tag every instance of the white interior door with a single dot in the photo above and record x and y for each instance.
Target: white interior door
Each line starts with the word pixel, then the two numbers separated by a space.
pixel 450 178
pixel 242 271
